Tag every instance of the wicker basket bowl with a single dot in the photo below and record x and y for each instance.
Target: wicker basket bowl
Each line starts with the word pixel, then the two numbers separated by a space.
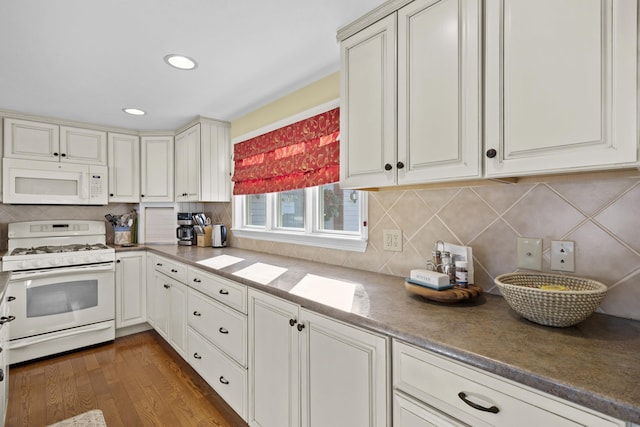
pixel 561 308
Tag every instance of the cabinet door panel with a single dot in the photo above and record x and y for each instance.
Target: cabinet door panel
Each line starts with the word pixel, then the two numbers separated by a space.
pixel 124 168
pixel 130 289
pixel 83 146
pixel 438 90
pixel 367 114
pixel 157 169
pixel 178 318
pixel 24 139
pixel 560 85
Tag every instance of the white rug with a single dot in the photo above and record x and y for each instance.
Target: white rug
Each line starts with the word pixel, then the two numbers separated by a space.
pixel 92 418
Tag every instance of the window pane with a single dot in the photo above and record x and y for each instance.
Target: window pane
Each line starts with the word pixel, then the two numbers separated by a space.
pixel 256 210
pixel 291 209
pixel 339 209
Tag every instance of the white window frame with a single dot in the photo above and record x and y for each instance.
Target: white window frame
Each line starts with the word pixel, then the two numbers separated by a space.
pixel 311 235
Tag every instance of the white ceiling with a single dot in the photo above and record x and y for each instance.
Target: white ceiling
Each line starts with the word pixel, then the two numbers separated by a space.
pixel 85 60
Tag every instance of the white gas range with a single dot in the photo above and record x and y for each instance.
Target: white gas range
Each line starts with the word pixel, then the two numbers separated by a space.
pixel 62 288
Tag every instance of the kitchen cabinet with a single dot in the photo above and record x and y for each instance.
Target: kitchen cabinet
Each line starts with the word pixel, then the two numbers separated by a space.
pixel 561 89
pixel 124 168
pixel 25 139
pixel 309 370
pixel 170 304
pixel 156 169
pixel 203 163
pixel 431 390
pixel 131 288
pixel 4 357
pixel 436 135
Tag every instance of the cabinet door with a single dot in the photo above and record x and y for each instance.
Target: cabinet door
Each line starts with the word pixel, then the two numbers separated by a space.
pixel 561 86
pixel 131 307
pixel 25 139
pixel 83 146
pixel 124 168
pixel 161 304
pixel 439 127
pixel 344 374
pixel 4 363
pixel 187 152
pixel 151 291
pixel 215 158
pixel 408 412
pixel 274 362
pixel 156 169
pixel 368 107
pixel 178 317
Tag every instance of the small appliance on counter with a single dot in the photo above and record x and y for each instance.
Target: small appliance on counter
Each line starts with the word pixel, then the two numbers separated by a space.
pixel 219 236
pixel 185 233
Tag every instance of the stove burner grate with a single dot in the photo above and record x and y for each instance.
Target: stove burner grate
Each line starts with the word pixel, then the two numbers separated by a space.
pixel 58 249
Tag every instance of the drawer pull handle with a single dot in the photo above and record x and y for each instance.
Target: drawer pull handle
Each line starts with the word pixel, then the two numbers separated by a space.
pixel 159 264
pixel 173 270
pixel 5 319
pixel 197 356
pixel 197 280
pixel 166 286
pixel 223 330
pixel 223 380
pixel 11 299
pixel 197 313
pixel 223 292
pixel 494 409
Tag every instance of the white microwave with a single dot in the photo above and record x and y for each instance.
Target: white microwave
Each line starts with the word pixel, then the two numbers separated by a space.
pixel 38 182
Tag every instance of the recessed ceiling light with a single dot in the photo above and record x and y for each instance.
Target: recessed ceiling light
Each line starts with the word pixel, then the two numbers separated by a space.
pixel 181 62
pixel 134 111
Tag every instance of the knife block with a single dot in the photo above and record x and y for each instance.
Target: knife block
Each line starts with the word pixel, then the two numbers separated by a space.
pixel 204 240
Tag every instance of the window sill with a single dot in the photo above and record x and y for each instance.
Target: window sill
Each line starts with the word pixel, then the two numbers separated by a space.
pixel 354 244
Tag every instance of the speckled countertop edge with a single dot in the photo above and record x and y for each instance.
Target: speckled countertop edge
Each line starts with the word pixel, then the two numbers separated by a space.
pixel 592 364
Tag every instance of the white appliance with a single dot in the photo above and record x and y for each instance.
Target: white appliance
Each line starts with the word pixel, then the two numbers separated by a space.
pixel 62 287
pixel 53 183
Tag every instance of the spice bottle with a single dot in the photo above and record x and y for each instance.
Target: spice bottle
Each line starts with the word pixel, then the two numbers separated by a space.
pixel 462 274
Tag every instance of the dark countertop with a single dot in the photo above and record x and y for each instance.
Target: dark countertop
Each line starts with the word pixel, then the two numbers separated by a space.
pixel 593 364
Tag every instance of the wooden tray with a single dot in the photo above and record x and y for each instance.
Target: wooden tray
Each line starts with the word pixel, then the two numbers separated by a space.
pixel 455 294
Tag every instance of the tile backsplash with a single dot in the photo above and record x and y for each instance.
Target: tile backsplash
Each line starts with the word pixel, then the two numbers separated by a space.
pixel 599 215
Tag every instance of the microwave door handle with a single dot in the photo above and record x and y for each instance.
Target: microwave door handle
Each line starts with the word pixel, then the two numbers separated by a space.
pixel 84 188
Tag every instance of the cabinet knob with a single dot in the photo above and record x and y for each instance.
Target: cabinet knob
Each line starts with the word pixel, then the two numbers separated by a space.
pixel 197 356
pixel 166 286
pixel 493 409
pixel 388 167
pixel 63 155
pixel 223 330
pixel 197 313
pixel 55 154
pixel 300 327
pixel 142 195
pixel 491 153
pixel 292 322
pixel 110 194
pixel 118 261
pixel 400 165
pixel 223 380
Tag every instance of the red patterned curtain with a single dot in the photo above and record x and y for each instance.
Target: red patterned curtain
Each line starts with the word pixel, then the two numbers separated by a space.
pixel 302 154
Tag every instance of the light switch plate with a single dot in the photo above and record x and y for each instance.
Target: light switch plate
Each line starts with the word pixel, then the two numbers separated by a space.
pixel 529 253
pixel 562 256
pixel 392 240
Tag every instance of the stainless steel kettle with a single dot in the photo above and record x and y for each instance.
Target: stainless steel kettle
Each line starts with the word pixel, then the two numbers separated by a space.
pixel 219 236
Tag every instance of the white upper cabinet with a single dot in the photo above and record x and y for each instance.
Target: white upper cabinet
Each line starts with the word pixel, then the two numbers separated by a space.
pixel 561 87
pixel 434 134
pixel 124 168
pixel 156 169
pixel 203 163
pixel 26 139
pixel 368 107
pixel 439 128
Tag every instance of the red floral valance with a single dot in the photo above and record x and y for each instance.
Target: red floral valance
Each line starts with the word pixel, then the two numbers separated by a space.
pixel 302 154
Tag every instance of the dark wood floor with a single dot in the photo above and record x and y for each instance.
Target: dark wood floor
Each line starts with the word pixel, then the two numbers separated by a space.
pixel 138 380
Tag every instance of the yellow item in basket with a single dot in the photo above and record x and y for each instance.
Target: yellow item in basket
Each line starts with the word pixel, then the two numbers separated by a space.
pixel 553 288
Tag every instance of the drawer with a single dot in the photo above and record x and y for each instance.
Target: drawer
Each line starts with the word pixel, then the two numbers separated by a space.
pixel 226 291
pixel 171 268
pixel 408 412
pixel 221 373
pixel 224 327
pixel 454 388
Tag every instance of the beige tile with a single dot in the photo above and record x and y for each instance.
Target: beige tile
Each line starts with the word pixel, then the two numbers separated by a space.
pixel 424 240
pixel 542 213
pixel 436 199
pixel 466 215
pixel 401 263
pixel 600 257
pixel 622 218
pixel 375 211
pixel 495 249
pixel 502 196
pixel 386 198
pixel 591 196
pixel 623 300
pixel 410 213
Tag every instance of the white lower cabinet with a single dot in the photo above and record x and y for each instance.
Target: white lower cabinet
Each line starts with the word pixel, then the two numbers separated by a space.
pixel 430 390
pixel 170 311
pixel 131 288
pixel 308 370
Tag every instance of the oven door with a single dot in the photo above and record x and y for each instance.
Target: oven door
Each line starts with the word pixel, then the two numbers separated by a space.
pixel 61 299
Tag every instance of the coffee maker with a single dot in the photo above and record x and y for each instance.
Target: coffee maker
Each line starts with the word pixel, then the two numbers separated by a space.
pixel 185 232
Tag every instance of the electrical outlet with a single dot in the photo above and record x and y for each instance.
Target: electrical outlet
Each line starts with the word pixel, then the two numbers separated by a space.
pixel 392 240
pixel 562 256
pixel 529 253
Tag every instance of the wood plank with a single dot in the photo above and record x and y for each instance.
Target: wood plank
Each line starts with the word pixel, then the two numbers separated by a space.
pixel 137 380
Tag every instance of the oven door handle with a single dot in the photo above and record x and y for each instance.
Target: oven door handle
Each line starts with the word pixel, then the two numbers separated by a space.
pixel 26 342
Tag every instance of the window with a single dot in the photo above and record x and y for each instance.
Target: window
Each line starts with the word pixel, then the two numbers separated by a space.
pixel 280 185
